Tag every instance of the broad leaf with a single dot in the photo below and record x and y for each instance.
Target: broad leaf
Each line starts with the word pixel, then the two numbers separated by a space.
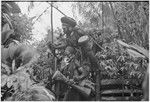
pixel 5 27
pixel 7 68
pixel 134 53
pixel 9 82
pixel 14 7
pixel 3 80
pixel 141 50
pixel 12 48
pixel 15 85
pixel 8 19
pixel 25 53
pixel 123 43
pixel 4 54
pixel 5 35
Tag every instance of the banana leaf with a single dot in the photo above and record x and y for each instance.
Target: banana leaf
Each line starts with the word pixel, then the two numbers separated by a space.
pixel 134 53
pixel 3 80
pixel 8 19
pixel 135 50
pixel 6 32
pixel 140 50
pixel 123 43
pixel 10 7
pixel 15 7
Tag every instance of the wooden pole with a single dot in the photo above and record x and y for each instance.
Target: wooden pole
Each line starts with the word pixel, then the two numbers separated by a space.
pixel 57 84
pixel 115 19
pixel 98 72
pixel 52 23
pixel 97 85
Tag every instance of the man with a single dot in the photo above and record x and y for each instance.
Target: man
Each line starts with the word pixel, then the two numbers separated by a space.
pixel 80 67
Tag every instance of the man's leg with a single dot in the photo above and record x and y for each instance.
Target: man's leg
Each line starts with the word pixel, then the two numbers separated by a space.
pixel 72 95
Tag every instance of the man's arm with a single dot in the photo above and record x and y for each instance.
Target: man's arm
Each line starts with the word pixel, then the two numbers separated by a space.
pixel 84 73
pixel 56 46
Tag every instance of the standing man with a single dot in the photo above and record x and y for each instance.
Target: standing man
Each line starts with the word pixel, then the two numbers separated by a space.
pixel 72 36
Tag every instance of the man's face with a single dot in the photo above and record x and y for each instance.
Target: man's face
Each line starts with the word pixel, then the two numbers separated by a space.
pixel 66 29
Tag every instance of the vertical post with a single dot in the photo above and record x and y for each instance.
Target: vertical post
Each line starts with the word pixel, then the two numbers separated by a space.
pixel 102 17
pixel 98 85
pixel 57 84
pixel 98 72
pixel 52 22
pixel 55 60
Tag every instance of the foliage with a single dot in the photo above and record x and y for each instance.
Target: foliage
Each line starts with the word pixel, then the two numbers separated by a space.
pixel 44 67
pixel 131 17
pixel 128 23
pixel 92 13
pixel 10 7
pixel 35 93
pixel 19 81
pixel 23 27
pixel 21 24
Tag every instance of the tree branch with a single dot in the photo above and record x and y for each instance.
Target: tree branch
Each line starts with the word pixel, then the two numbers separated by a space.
pixel 57 9
pixel 42 14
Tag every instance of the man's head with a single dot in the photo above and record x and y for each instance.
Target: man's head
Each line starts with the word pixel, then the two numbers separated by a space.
pixel 68 24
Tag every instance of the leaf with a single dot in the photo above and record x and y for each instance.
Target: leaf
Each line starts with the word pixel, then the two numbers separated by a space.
pixel 7 68
pixel 6 27
pixel 108 68
pixel 134 53
pixel 4 54
pixel 12 48
pixel 9 82
pixel 31 6
pixel 5 7
pixel 5 35
pixel 8 19
pixel 123 43
pixel 3 80
pixel 141 50
pixel 25 53
pixel 43 92
pixel 15 85
pixel 15 8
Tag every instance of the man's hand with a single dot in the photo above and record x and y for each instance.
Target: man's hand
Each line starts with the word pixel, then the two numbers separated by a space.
pixel 70 81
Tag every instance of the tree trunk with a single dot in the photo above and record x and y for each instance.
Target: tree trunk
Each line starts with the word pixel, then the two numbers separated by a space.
pixel 119 31
pixel 98 96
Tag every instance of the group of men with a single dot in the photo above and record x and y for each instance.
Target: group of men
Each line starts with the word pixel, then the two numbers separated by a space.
pixel 82 63
pixel 81 60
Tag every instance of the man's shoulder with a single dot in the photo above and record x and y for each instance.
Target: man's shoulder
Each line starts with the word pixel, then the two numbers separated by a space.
pixel 79 31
